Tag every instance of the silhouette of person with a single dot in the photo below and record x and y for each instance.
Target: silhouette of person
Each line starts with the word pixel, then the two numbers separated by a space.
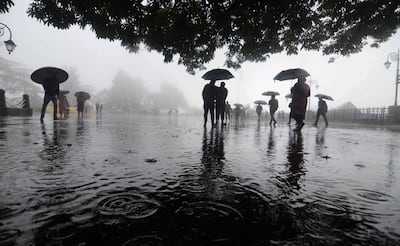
pixel 63 106
pixel 81 106
pixel 209 94
pixel 300 92
pixel 322 110
pixel 222 94
pixel 259 111
pixel 51 93
pixel 228 111
pixel 273 107
pixel 97 108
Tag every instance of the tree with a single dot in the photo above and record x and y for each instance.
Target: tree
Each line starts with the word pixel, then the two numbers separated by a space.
pixel 74 84
pixel 169 97
pixel 125 93
pixel 15 80
pixel 249 30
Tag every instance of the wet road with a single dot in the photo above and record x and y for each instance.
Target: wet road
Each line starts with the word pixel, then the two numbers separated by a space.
pixel 144 180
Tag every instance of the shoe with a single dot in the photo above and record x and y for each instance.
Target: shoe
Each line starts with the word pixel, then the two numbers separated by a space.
pixel 56 118
pixel 41 120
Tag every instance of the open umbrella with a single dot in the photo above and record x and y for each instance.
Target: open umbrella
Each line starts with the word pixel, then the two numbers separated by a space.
pixel 323 96
pixel 49 73
pixel 64 92
pixel 82 94
pixel 270 93
pixel 217 74
pixel 291 74
pixel 260 102
pixel 238 105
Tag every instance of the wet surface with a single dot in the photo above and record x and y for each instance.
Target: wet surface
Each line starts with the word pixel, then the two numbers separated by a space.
pixel 144 180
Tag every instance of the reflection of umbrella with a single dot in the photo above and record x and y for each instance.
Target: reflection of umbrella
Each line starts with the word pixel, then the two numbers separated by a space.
pixel 217 74
pixel 238 105
pixel 82 94
pixel 289 96
pixel 323 96
pixel 261 102
pixel 49 73
pixel 270 93
pixel 291 74
pixel 64 92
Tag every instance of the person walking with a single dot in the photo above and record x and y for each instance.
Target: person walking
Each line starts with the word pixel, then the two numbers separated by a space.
pixel 63 106
pixel 322 110
pixel 228 111
pixel 300 92
pixel 259 111
pixel 209 95
pixel 273 107
pixel 222 94
pixel 51 93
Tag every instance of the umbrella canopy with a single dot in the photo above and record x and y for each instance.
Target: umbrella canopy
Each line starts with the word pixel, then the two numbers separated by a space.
pixel 217 74
pixel 238 105
pixel 323 96
pixel 82 94
pixel 270 93
pixel 261 102
pixel 291 74
pixel 49 73
pixel 64 92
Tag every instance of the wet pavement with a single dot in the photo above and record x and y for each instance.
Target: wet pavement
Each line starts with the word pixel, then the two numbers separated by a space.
pixel 147 180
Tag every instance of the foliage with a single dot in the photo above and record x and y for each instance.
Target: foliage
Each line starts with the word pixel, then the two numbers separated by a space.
pixel 125 93
pixel 15 80
pixel 192 30
pixel 5 5
pixel 169 97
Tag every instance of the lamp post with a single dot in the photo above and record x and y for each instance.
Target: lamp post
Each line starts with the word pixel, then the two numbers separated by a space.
pixel 10 45
pixel 394 57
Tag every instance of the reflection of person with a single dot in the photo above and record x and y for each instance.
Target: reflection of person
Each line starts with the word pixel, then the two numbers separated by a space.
pixel 296 159
pixel 322 110
pixel 228 111
pixel 222 93
pixel 51 92
pixel 97 108
pixel 63 106
pixel 300 92
pixel 209 94
pixel 273 107
pixel 259 110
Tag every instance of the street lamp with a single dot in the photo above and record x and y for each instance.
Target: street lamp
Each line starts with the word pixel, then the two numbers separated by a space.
pixel 394 57
pixel 10 45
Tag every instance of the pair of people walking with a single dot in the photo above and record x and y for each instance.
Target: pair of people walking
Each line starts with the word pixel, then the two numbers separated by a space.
pixel 214 102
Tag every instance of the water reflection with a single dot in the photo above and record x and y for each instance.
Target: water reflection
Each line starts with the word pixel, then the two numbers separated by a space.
pixel 295 156
pixel 271 142
pixel 54 146
pixel 320 141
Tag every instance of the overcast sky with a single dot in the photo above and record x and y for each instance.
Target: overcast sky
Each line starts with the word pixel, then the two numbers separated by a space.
pixel 360 78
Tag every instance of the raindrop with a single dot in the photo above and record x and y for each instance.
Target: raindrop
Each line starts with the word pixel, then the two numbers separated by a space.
pixel 133 206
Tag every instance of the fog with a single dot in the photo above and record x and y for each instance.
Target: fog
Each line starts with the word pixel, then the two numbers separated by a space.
pixel 360 78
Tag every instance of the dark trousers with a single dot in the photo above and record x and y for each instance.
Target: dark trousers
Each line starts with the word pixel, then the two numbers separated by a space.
pixel 208 107
pixel 220 111
pixel 323 116
pixel 46 100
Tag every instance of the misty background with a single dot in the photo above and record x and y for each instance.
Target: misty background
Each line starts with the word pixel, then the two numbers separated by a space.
pixel 142 81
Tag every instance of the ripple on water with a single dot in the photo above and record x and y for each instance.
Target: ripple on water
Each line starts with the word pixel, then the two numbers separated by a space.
pixel 9 211
pixel 373 196
pixel 7 236
pixel 132 206
pixel 147 240
pixel 212 220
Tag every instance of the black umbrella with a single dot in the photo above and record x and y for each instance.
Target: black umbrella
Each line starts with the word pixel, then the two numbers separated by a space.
pixel 217 74
pixel 323 96
pixel 270 93
pixel 64 92
pixel 238 105
pixel 260 102
pixel 49 73
pixel 82 94
pixel 291 74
